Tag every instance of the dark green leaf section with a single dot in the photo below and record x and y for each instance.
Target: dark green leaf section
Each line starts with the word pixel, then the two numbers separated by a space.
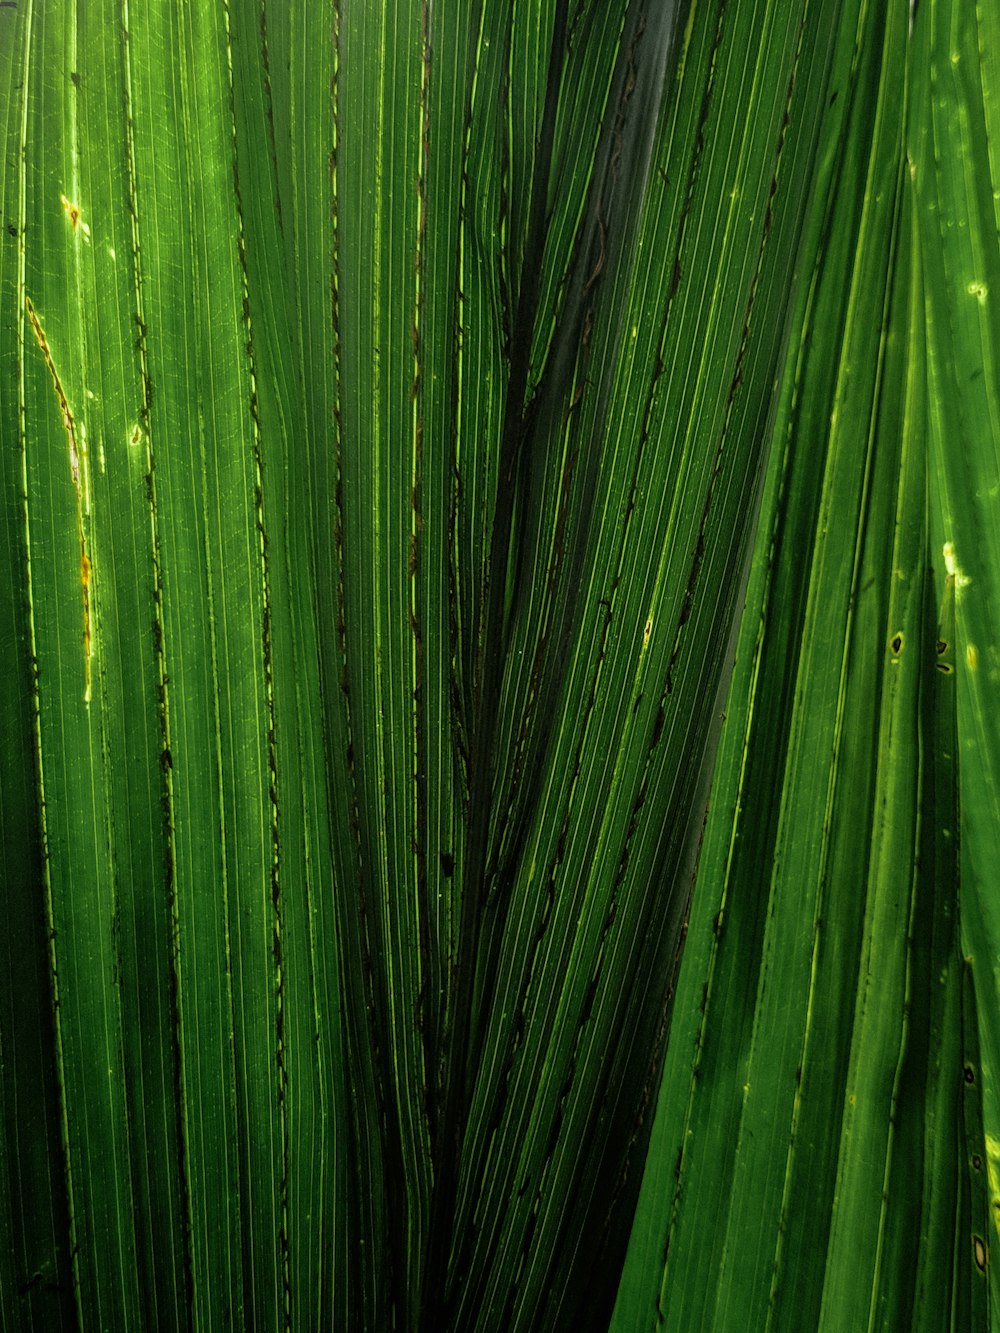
pixel 35 1283
pixel 815 1161
pixel 490 649
pixel 656 481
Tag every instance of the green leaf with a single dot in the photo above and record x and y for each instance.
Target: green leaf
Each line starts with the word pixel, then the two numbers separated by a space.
pixel 809 1116
pixel 957 176
pixel 448 448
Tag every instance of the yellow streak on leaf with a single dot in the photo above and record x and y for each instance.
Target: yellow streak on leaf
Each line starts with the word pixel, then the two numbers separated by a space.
pixel 86 568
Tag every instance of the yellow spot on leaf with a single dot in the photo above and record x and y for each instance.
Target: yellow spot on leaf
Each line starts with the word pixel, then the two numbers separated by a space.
pixel 971 656
pixel 71 210
pixel 980 1249
pixel 979 290
pixel 952 567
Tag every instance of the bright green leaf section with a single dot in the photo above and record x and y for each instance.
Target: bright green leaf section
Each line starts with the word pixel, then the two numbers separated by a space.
pixel 957 173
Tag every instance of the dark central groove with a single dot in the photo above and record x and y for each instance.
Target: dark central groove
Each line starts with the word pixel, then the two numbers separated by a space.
pixel 438 1300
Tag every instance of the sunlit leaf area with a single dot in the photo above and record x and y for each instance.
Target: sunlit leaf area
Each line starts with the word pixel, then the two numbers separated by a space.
pixel 500 629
